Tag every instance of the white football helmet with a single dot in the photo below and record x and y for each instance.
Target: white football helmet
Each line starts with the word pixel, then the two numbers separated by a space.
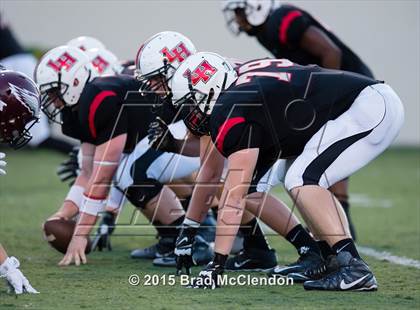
pixel 104 61
pixel 161 55
pixel 85 43
pixel 256 12
pixel 198 81
pixel 62 72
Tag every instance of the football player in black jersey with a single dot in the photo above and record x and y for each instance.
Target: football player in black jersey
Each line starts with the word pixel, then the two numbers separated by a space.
pixel 290 32
pixel 157 60
pixel 95 111
pixel 327 123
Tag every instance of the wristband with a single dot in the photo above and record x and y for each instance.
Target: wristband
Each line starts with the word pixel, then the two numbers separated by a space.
pixel 93 206
pixel 75 195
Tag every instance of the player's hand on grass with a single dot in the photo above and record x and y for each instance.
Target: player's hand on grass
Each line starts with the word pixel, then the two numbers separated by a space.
pixel 15 279
pixel 75 252
pixel 184 250
pixel 160 137
pixel 2 164
pixel 69 169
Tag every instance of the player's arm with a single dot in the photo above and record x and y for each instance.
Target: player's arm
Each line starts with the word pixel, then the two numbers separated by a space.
pixel 74 198
pixel 298 30
pixel 207 184
pixel 317 43
pixel 105 164
pixel 208 180
pixel 241 166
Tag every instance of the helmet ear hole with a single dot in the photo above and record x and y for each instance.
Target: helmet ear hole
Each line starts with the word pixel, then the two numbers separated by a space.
pixel 75 82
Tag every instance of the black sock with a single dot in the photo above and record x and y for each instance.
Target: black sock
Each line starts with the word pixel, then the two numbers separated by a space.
pixel 346 245
pixel 171 230
pixel 325 249
pixel 220 259
pixel 346 207
pixel 302 240
pixel 253 236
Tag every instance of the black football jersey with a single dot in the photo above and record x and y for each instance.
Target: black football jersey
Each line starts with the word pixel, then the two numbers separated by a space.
pixel 70 125
pixel 277 106
pixel 284 29
pixel 105 112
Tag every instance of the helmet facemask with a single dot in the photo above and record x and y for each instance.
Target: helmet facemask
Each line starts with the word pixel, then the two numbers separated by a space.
pixel 17 138
pixel 197 108
pixel 254 13
pixel 20 140
pixel 50 92
pixel 157 81
pixel 229 12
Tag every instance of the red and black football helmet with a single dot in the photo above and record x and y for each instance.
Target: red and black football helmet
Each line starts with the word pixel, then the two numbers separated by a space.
pixel 19 107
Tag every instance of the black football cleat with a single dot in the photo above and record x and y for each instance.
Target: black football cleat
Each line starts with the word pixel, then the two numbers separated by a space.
pixel 252 260
pixel 163 247
pixel 308 260
pixel 317 271
pixel 353 274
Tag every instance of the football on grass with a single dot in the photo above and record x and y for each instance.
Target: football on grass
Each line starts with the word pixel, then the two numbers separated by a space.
pixel 58 232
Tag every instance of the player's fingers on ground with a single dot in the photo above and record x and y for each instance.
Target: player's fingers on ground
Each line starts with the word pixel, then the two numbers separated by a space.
pixel 77 259
pixel 67 259
pixel 83 257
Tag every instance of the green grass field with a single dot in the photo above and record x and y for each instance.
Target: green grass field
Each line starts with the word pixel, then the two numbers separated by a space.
pixel 386 211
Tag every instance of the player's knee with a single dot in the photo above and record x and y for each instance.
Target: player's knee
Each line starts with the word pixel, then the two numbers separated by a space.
pixel 140 195
pixel 292 180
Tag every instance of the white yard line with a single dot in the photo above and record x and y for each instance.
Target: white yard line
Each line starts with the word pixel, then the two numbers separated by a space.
pixel 364 201
pixel 389 257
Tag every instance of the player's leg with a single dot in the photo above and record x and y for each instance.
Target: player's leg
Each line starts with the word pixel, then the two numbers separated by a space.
pixel 366 130
pixel 341 192
pixel 163 209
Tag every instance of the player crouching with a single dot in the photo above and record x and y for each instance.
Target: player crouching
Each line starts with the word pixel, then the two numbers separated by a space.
pixel 328 123
pixel 95 110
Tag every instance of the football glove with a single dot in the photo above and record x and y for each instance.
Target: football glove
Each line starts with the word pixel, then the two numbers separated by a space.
pixel 184 250
pixel 106 227
pixel 69 169
pixel 2 164
pixel 209 277
pixel 15 279
pixel 160 137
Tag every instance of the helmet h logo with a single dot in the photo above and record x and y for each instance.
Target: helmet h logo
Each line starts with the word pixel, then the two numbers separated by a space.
pixel 65 61
pixel 100 64
pixel 203 73
pixel 178 53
